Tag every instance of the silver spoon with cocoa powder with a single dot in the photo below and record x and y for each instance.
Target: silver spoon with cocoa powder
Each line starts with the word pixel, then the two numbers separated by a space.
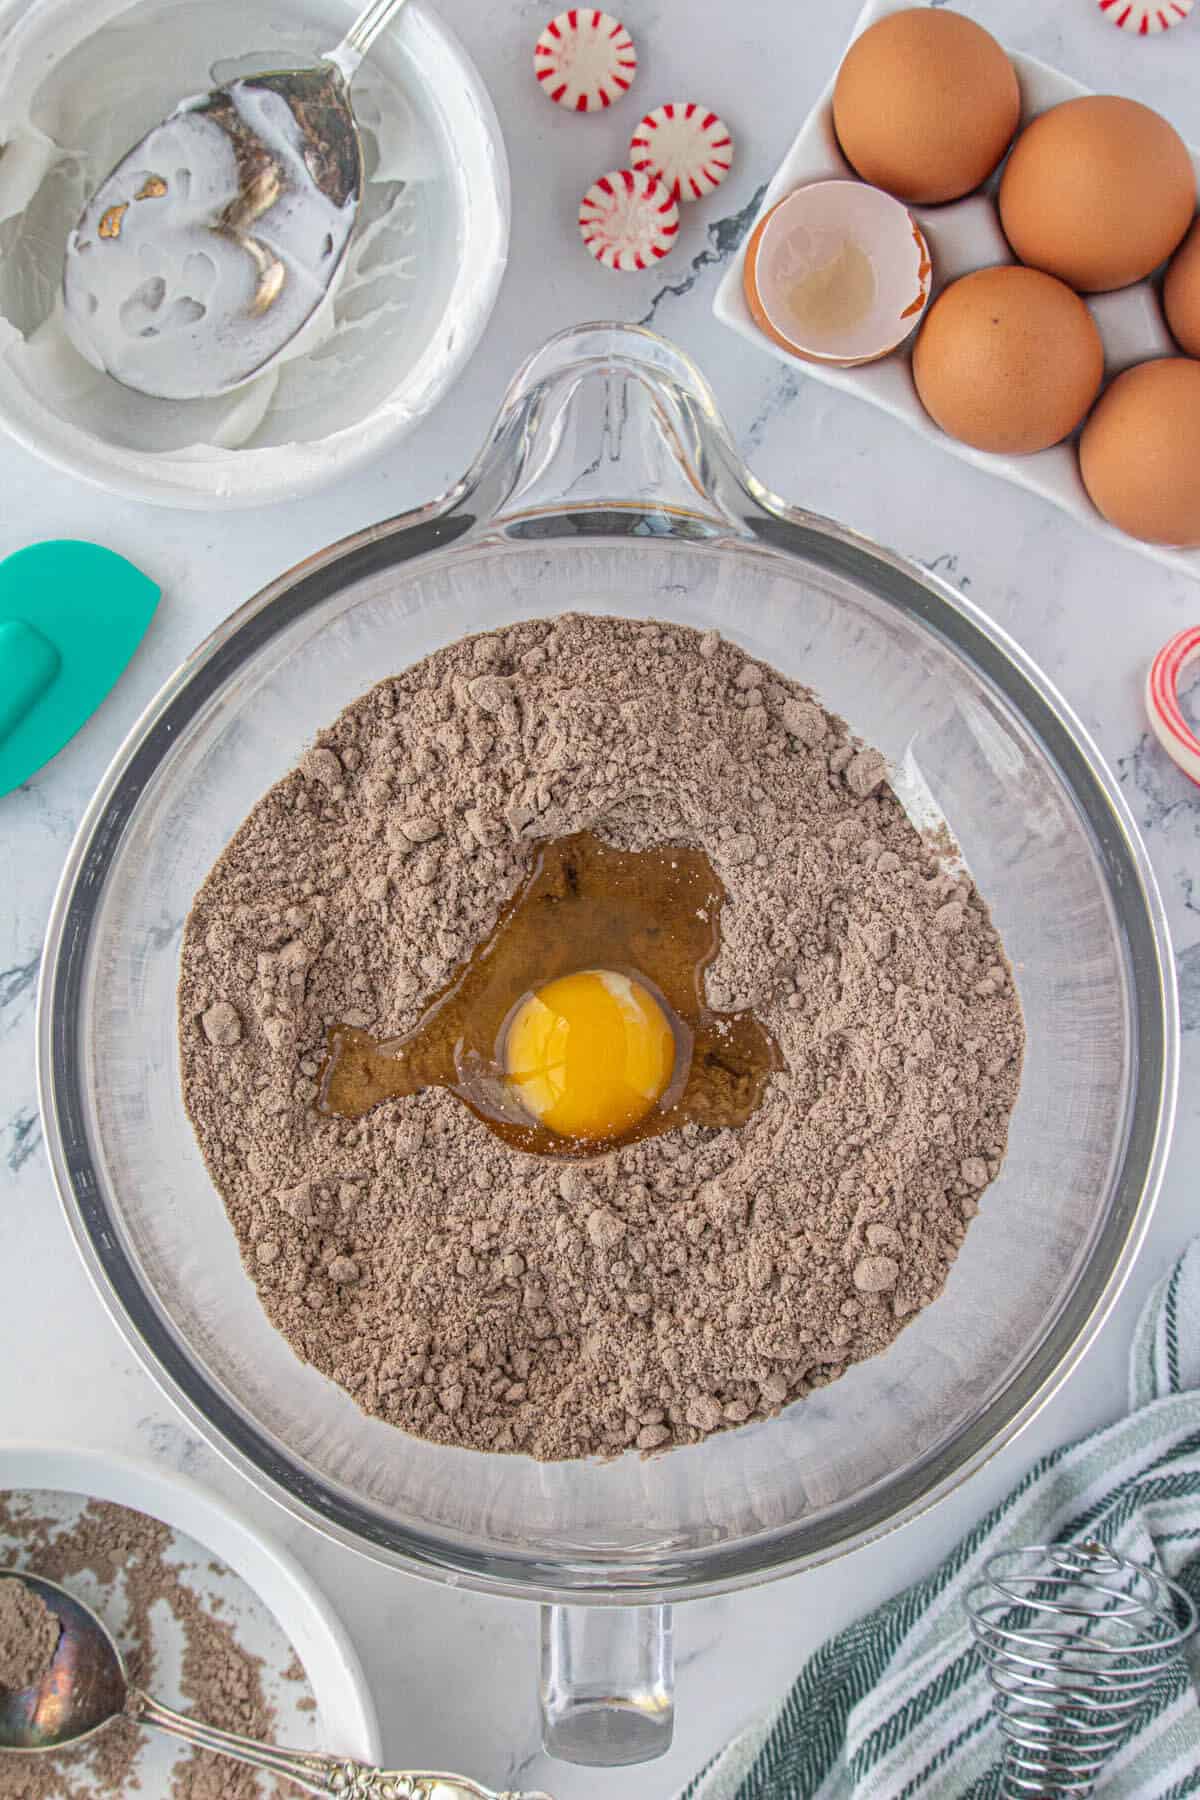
pixel 86 1687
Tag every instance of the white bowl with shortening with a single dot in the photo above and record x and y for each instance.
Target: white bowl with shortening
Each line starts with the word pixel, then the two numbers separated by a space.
pixel 82 80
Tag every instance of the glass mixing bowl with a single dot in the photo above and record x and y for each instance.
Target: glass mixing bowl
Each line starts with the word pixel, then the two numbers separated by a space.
pixel 611 485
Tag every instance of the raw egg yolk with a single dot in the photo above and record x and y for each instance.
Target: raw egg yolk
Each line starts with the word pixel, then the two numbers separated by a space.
pixel 590 1054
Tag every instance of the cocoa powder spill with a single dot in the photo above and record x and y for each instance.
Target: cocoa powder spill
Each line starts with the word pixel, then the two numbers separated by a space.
pixel 29 1634
pixel 221 1682
pixel 679 1286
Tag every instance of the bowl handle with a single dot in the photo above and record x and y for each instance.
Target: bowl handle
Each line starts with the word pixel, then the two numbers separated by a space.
pixel 603 416
pixel 607 1683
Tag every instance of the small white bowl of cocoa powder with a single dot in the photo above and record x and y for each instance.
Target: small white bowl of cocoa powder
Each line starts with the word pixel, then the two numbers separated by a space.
pixel 211 1617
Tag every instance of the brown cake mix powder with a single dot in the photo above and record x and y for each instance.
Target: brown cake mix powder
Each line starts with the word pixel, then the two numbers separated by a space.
pixel 675 1287
pixel 29 1634
pixel 221 1682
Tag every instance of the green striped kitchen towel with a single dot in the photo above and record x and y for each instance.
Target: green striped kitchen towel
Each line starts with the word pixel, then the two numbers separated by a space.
pixel 898 1704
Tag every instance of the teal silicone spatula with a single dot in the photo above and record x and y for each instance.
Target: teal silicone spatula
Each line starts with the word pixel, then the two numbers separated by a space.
pixel 71 616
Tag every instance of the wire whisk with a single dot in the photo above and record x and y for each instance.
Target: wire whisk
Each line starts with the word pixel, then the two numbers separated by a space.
pixel 1076 1640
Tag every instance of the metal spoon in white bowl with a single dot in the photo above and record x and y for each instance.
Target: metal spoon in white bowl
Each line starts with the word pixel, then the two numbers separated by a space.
pixel 86 1688
pixel 211 245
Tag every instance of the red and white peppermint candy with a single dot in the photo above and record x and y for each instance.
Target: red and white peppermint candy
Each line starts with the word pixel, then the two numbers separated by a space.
pixel 1146 20
pixel 628 221
pixel 584 59
pixel 686 146
pixel 1162 701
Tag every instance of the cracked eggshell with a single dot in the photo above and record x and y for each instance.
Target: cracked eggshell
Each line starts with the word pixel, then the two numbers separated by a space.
pixel 838 273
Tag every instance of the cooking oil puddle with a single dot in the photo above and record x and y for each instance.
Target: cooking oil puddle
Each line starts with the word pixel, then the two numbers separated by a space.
pixel 580 1022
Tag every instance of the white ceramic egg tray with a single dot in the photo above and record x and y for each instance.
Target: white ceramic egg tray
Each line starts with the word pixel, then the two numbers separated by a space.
pixel 962 236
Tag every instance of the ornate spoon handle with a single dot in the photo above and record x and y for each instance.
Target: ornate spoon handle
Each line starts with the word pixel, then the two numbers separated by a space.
pixel 328 1775
pixel 362 34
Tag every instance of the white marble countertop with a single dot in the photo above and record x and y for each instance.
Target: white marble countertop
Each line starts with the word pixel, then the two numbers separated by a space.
pixel 453 1673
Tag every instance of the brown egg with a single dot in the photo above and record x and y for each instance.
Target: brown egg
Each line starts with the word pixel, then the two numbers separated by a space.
pixel 1140 452
pixel 925 105
pixel 1097 191
pixel 1181 293
pixel 1008 360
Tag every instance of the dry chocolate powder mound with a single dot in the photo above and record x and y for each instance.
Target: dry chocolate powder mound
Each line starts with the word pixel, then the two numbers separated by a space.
pixel 221 1682
pixel 29 1634
pixel 477 1296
